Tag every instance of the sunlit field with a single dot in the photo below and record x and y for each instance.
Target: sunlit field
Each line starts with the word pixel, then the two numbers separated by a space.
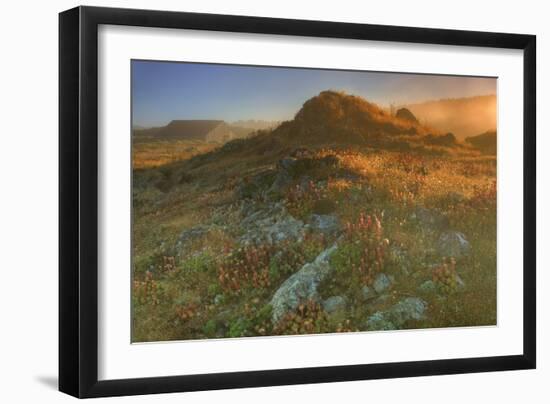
pixel 346 218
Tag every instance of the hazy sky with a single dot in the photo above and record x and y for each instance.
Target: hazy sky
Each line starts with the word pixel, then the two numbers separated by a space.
pixel 163 91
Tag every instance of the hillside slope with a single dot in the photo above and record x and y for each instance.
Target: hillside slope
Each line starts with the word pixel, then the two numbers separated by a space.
pixel 486 142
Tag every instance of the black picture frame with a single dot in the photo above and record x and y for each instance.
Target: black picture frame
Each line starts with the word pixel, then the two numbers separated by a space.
pixel 78 201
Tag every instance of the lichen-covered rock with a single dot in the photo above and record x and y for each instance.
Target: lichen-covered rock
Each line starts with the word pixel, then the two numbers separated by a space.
pixel 326 224
pixel 301 286
pixel 410 308
pixel 334 304
pixel 381 283
pixel 453 244
pixel 271 224
pixel 380 322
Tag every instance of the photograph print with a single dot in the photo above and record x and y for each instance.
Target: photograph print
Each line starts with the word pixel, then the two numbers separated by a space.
pixel 272 201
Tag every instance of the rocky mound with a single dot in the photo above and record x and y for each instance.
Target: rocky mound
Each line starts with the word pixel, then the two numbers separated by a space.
pixel 335 115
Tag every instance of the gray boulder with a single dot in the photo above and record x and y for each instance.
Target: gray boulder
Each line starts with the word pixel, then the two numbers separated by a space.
pixel 453 244
pixel 410 308
pixel 334 304
pixel 271 224
pixel 302 285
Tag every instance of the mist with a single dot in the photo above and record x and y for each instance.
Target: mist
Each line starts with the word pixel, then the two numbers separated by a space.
pixel 461 116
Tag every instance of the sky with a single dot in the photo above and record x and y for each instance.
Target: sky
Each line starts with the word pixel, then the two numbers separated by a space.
pixel 163 91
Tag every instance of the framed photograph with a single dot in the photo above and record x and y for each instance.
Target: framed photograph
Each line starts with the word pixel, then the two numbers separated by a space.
pixel 251 201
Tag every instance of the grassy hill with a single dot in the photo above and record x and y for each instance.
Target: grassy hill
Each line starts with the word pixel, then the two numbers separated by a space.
pixel 486 142
pixel 217 234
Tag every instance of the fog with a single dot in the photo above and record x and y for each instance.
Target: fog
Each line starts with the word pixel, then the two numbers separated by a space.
pixel 462 116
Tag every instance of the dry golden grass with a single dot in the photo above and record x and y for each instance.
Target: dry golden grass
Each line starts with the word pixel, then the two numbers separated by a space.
pixel 151 153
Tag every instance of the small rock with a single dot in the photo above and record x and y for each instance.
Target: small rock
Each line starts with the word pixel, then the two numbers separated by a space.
pixel 218 299
pixel 459 282
pixel 428 287
pixel 410 308
pixel 287 163
pixel 368 293
pixel 334 303
pixel 379 322
pixel 453 244
pixel 326 224
pixel 381 283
